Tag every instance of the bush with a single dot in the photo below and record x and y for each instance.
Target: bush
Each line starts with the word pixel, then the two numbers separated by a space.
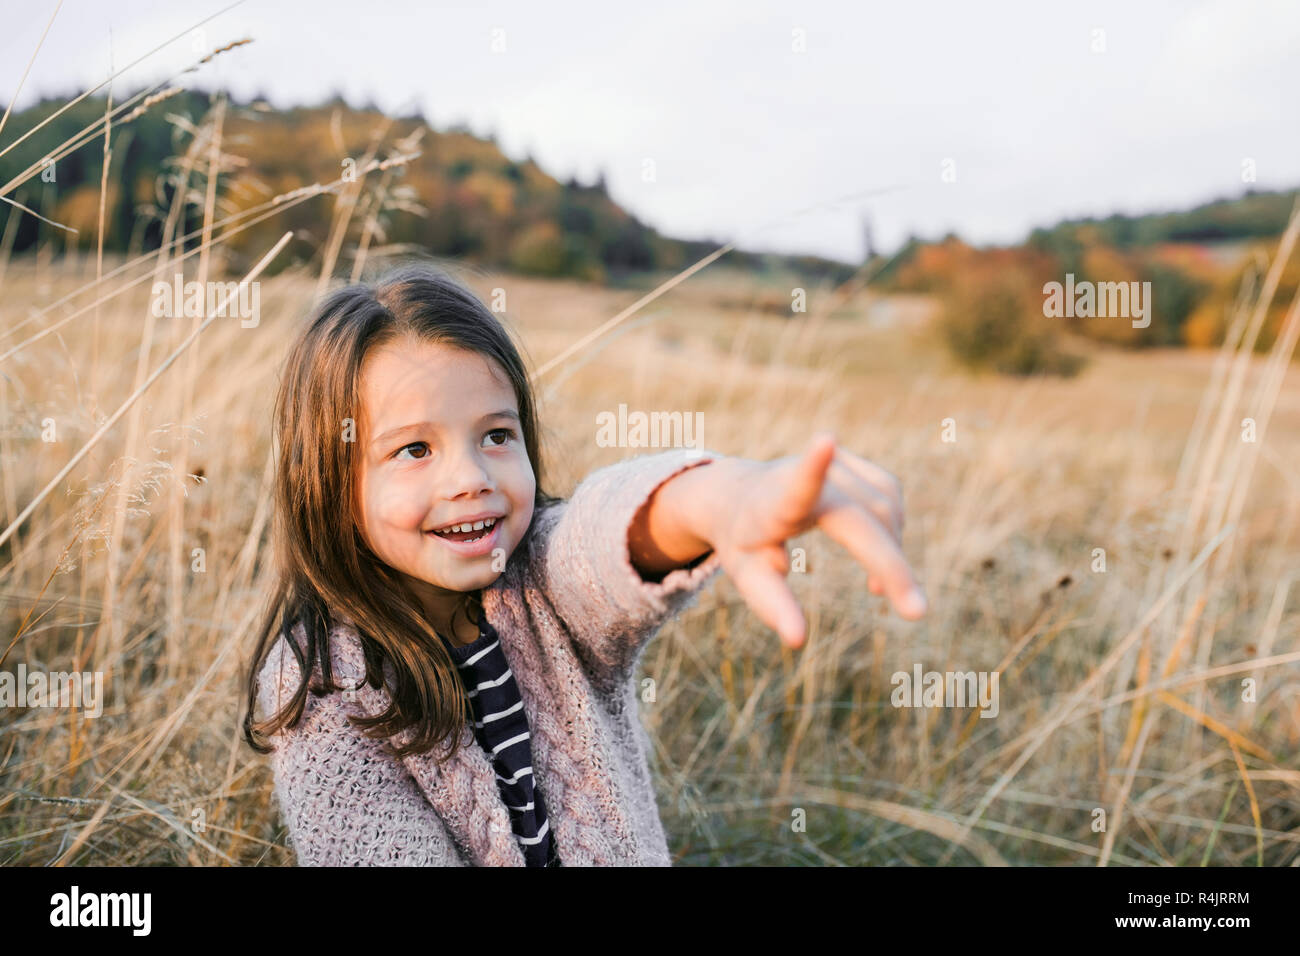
pixel 1207 325
pixel 539 250
pixel 994 321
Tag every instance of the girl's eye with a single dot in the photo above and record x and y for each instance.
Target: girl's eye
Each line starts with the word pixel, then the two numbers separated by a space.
pixel 507 433
pixel 411 445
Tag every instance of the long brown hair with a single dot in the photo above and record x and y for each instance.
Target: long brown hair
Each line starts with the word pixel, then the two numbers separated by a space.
pixel 323 565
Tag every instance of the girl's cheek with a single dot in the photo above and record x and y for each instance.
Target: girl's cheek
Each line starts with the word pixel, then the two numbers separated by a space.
pixel 393 507
pixel 527 490
pixel 525 481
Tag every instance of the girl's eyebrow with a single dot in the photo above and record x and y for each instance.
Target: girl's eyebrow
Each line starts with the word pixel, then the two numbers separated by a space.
pixel 394 432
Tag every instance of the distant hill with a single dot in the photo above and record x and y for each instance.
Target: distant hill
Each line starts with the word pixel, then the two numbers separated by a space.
pixel 1196 261
pixel 1254 215
pixel 461 198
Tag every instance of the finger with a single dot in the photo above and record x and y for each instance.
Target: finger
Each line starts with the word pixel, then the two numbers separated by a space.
pixel 853 485
pixel 805 487
pixel 884 481
pixel 870 544
pixel 759 578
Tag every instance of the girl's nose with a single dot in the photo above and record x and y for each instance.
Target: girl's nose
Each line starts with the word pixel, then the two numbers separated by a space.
pixel 467 476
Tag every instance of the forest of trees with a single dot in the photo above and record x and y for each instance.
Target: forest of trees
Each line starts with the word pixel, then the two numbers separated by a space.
pixel 462 197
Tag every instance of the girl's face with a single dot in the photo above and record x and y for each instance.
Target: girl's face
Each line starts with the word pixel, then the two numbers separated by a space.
pixel 440 444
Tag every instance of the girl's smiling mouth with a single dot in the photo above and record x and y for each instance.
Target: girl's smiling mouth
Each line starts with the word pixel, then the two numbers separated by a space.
pixel 479 542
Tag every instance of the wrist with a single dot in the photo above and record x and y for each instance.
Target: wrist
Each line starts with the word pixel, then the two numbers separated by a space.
pixel 704 498
pixel 676 525
pixel 698 497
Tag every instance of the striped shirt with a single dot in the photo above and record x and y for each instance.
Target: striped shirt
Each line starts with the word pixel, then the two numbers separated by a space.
pixel 501 728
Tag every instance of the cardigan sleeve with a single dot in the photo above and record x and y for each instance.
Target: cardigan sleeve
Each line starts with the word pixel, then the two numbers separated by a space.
pixel 345 801
pixel 580 547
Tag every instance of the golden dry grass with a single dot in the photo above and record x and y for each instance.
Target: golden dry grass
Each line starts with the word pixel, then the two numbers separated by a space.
pixel 1041 473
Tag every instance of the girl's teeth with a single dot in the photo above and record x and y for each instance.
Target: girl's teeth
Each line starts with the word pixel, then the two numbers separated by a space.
pixel 476 526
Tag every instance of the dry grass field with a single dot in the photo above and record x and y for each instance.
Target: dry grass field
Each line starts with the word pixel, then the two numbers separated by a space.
pixel 1149 712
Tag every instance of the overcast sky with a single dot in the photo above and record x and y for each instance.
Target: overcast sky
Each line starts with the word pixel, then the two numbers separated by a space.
pixel 1034 113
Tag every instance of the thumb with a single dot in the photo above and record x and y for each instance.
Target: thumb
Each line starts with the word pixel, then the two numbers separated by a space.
pixel 805 488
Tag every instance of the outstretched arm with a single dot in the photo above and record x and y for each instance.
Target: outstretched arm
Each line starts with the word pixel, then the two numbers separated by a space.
pixel 580 551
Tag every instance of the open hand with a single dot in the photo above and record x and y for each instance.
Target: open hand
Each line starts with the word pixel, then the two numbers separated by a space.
pixel 856 502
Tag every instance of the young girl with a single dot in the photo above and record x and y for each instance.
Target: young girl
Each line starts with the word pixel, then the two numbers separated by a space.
pixel 448 658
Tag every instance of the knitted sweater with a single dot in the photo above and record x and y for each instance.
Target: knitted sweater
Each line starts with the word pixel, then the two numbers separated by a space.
pixel 574 617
